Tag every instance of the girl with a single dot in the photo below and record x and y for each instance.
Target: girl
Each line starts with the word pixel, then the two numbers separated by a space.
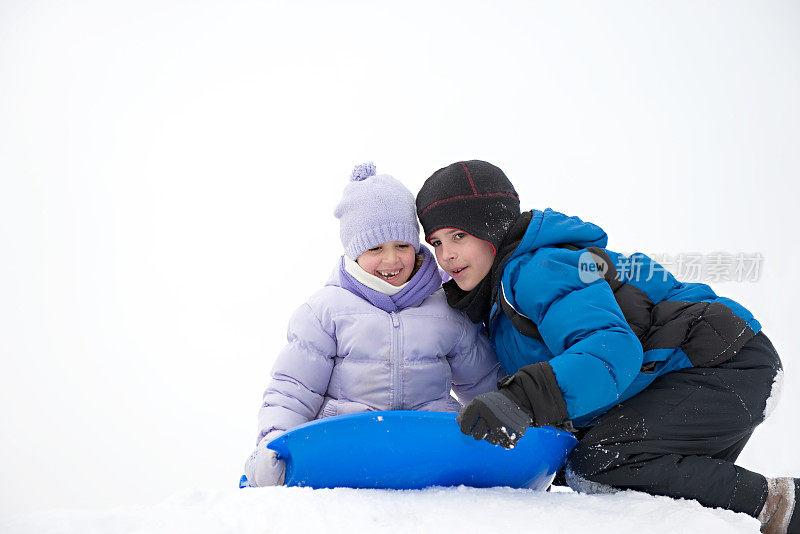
pixel 665 381
pixel 379 335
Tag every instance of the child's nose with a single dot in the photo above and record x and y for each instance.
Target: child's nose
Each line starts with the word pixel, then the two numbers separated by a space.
pixel 448 252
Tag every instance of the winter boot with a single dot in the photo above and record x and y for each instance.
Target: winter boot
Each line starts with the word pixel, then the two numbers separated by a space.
pixel 777 516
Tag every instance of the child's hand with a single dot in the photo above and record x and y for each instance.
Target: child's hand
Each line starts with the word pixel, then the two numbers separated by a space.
pixel 264 468
pixel 495 418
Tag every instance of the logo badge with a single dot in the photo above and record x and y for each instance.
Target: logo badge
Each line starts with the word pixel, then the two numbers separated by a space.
pixel 591 268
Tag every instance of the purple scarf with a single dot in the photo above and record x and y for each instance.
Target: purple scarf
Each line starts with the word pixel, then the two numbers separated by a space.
pixel 423 284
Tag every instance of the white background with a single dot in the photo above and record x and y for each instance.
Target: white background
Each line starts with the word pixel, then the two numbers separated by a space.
pixel 168 172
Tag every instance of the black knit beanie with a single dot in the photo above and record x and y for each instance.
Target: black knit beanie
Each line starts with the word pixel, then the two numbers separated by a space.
pixel 474 196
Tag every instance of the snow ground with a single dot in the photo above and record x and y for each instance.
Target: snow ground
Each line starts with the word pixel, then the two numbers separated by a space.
pixel 461 509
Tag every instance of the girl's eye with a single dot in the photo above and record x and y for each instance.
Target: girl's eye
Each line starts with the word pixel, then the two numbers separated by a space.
pixel 403 245
pixel 375 249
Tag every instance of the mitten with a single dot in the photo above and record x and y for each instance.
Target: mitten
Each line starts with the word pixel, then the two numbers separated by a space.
pixel 264 468
pixel 494 417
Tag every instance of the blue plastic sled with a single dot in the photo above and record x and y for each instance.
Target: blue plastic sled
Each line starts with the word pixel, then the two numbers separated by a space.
pixel 413 450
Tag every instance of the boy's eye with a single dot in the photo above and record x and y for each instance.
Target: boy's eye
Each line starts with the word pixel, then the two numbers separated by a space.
pixel 436 243
pixel 458 235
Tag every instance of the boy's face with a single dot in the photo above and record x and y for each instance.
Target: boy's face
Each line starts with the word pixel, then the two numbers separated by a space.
pixel 392 261
pixel 463 256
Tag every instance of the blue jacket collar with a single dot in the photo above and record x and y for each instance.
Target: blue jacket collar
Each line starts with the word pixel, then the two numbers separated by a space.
pixel 550 227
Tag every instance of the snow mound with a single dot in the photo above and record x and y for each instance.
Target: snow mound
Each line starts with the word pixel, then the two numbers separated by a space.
pixel 461 509
pixel 775 394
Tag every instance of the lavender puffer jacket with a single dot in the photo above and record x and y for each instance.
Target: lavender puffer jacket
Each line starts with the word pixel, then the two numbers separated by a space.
pixel 345 356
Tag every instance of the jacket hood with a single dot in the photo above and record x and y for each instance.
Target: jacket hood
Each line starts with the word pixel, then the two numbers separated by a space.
pixel 550 227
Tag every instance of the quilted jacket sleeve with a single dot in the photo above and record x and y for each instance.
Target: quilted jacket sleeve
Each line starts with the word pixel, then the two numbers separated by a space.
pixel 596 354
pixel 473 363
pixel 300 375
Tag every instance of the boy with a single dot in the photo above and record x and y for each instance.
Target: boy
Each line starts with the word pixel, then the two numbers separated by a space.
pixel 664 380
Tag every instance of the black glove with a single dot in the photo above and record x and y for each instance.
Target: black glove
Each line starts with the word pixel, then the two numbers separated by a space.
pixel 494 417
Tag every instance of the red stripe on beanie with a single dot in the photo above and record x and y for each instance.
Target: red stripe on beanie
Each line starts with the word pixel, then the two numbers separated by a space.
pixel 469 176
pixel 457 197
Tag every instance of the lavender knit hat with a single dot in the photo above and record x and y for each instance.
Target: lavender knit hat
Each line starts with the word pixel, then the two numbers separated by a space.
pixel 375 209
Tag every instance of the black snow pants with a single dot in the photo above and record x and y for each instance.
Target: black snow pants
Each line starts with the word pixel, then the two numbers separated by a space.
pixel 681 435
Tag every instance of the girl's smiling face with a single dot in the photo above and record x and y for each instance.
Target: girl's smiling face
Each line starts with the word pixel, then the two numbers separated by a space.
pixel 466 258
pixel 392 261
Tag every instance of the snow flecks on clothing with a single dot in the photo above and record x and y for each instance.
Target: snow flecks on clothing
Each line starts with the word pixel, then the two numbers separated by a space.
pixel 771 515
pixel 732 389
pixel 738 336
pixel 599 454
pixel 775 394
pixel 512 436
pixel 583 485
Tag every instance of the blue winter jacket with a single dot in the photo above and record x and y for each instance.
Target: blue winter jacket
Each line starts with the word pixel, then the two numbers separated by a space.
pixel 597 358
